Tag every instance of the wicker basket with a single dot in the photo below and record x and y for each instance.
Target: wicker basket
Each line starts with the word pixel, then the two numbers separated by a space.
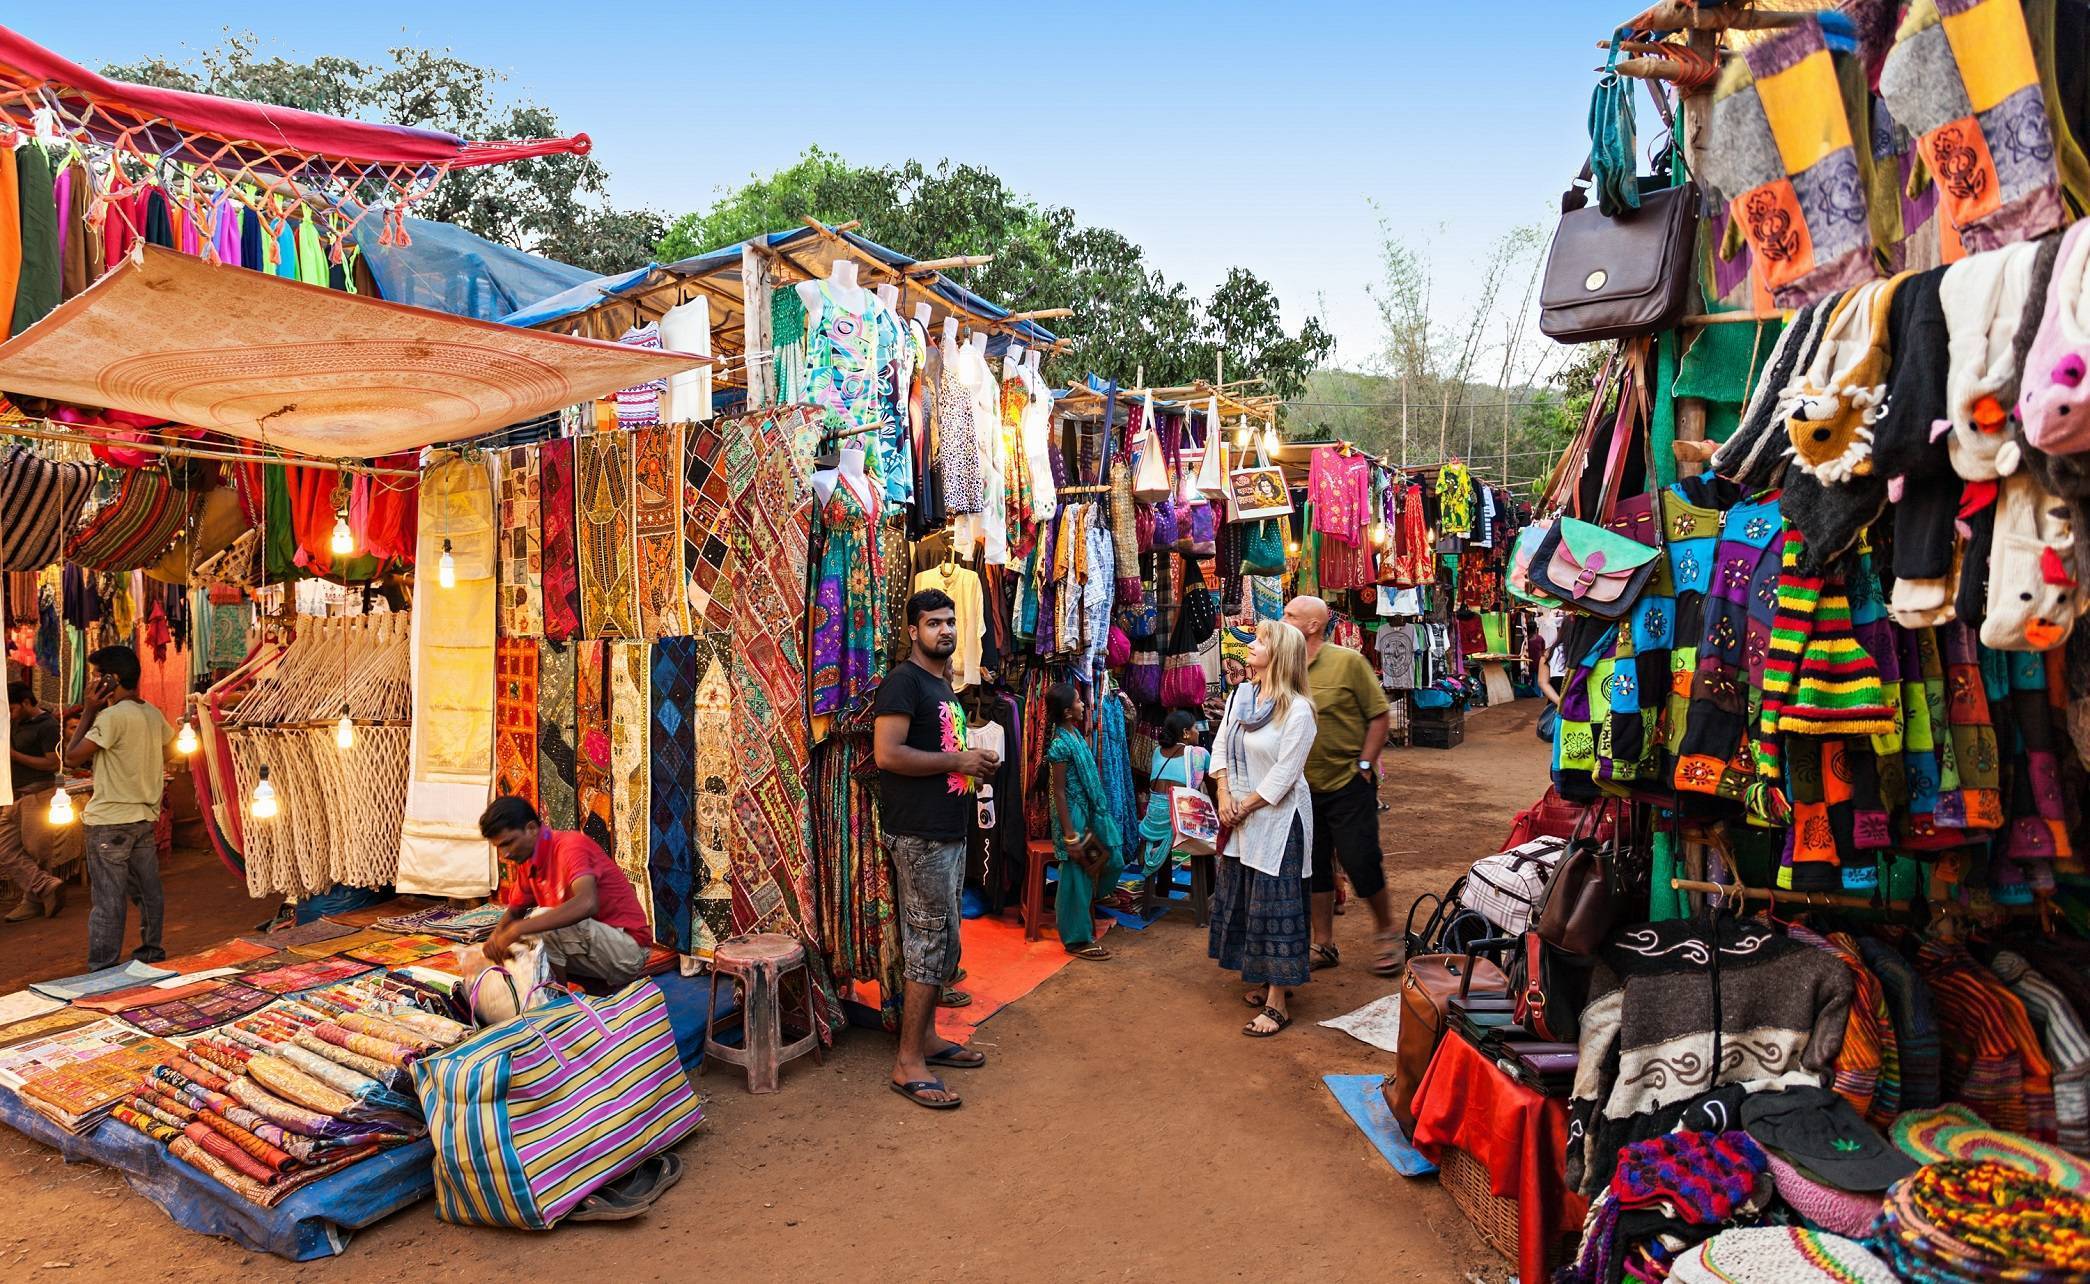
pixel 1492 1215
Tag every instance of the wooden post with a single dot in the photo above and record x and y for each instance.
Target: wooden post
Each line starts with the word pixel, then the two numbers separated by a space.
pixel 1697 110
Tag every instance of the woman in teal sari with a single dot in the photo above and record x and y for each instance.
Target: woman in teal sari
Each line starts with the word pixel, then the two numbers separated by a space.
pixel 1085 835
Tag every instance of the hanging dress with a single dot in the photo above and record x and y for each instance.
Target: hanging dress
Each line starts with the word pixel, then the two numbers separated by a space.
pixel 848 611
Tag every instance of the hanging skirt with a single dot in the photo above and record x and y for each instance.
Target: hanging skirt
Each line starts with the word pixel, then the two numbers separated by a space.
pixel 1259 920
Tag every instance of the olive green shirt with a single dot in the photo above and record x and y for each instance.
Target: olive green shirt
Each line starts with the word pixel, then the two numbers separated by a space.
pixel 1347 697
pixel 130 763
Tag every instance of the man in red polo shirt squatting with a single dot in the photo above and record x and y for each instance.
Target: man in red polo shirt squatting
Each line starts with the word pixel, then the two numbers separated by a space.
pixel 584 907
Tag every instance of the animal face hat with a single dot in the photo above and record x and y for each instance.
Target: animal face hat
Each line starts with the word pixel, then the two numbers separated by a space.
pixel 1984 298
pixel 2033 595
pixel 1842 392
pixel 2053 400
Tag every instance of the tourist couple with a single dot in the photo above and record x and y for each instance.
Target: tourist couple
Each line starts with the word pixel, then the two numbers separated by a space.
pixel 1295 761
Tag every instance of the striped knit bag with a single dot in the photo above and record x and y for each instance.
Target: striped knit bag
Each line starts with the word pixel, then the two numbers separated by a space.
pixel 531 1116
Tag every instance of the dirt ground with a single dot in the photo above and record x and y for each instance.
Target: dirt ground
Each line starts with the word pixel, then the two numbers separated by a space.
pixel 1123 1129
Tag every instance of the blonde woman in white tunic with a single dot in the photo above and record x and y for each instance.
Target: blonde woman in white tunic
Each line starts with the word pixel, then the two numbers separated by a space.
pixel 1259 923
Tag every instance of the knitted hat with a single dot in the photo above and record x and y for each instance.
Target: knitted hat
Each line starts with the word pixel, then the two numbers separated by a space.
pixel 1785 1254
pixel 1703 1176
pixel 1845 1212
pixel 1755 455
pixel 1820 1130
pixel 1842 392
pixel 1957 1220
pixel 2033 593
pixel 1830 515
pixel 1955 1132
pixel 2053 400
pixel 1984 299
pixel 1817 679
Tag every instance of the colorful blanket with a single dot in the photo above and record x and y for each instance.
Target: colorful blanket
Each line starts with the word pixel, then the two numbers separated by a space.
pixel 515 718
pixel 706 510
pixel 630 774
pixel 557 735
pixel 306 976
pixel 175 1017
pixel 603 525
pixel 672 790
pixel 591 775
pixel 522 549
pixel 657 507
pixel 557 545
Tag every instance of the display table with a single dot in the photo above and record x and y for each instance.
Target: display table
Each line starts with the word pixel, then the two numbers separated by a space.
pixel 1494 674
pixel 1519 1135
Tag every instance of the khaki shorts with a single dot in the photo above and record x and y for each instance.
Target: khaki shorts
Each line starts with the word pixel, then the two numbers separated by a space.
pixel 592 948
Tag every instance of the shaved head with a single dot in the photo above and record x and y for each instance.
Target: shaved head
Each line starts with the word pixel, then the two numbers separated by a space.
pixel 1309 615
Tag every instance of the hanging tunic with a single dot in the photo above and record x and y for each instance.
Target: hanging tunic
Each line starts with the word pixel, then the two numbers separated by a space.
pixel 848 610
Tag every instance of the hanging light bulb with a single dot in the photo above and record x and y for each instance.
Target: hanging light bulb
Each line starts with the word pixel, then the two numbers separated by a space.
pixel 1292 548
pixel 1382 534
pixel 1244 436
pixel 61 807
pixel 446 569
pixel 1272 443
pixel 345 732
pixel 344 539
pixel 185 740
pixel 262 806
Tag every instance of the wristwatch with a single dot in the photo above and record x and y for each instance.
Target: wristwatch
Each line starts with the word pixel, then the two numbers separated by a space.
pixel 1364 765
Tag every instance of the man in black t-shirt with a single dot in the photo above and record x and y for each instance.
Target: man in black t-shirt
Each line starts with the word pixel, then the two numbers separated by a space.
pixel 925 802
pixel 33 758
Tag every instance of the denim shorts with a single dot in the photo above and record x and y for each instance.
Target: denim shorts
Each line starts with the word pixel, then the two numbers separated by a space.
pixel 929 872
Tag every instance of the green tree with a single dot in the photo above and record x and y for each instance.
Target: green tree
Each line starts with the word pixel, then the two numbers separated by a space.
pixel 550 205
pixel 1127 316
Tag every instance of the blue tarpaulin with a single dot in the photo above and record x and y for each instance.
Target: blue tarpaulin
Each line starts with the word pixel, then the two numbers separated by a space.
pixel 451 270
pixel 318 1220
pixel 578 299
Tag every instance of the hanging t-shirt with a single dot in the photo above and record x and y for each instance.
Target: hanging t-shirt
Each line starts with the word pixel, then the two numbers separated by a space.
pixel 936 807
pixel 687 328
pixel 640 403
pixel 1396 643
pixel 963 587
pixel 1340 487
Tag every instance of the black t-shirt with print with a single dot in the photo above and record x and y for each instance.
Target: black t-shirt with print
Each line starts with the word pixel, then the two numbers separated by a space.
pixel 938 806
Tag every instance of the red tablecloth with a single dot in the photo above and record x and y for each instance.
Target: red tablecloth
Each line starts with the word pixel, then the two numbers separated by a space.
pixel 1517 1133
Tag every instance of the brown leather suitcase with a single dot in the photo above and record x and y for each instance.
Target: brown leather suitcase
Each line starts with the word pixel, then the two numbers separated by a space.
pixel 1428 985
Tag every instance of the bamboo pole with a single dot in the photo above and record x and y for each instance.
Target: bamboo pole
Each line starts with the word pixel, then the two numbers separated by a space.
pixel 51 433
pixel 1735 891
pixel 1675 15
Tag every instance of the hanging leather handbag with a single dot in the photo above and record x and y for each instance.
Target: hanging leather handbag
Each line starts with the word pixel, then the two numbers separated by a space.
pixel 1580 901
pixel 1428 985
pixel 1592 569
pixel 1610 276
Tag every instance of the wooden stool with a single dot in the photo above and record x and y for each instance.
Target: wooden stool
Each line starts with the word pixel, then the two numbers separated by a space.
pixel 1033 907
pixel 758 963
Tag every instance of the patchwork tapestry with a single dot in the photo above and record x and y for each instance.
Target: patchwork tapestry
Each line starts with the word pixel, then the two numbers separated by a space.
pixel 515 719
pixel 591 773
pixel 522 547
pixel 557 736
pixel 174 1017
pixel 671 793
pixel 558 547
pixel 603 526
pixel 656 513
pixel 706 510
pixel 631 672
pixel 717 764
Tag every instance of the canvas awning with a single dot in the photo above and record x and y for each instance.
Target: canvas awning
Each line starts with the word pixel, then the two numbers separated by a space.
pixel 303 368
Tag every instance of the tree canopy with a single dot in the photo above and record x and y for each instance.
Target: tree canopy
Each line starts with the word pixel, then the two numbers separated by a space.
pixel 551 205
pixel 1127 316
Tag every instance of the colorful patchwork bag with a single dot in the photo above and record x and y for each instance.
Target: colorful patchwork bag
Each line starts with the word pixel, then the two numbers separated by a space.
pixel 532 1116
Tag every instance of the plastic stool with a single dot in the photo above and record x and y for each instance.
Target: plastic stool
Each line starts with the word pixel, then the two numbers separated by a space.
pixel 758 963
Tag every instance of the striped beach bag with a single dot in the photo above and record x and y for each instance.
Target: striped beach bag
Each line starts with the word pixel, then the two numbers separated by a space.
pixel 531 1116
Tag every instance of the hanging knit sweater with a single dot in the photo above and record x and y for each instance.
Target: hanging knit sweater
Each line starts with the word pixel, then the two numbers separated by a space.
pixel 1653 1019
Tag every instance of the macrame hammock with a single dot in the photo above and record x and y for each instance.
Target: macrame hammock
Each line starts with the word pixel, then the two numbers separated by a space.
pixel 198 148
pixel 341 809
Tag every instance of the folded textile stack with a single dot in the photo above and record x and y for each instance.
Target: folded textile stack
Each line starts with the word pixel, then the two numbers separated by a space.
pixel 300 1088
pixel 463 925
pixel 1962 1220
pixel 75 1077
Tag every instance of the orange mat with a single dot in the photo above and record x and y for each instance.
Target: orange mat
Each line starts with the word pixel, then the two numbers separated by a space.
pixel 1000 968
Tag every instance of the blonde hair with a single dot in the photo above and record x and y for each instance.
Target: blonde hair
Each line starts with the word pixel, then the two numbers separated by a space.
pixel 1285 678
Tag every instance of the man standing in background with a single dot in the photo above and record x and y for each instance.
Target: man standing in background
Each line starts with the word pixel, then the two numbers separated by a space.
pixel 126 739
pixel 1342 771
pixel 33 759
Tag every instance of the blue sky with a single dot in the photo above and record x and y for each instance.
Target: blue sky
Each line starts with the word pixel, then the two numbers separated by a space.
pixel 1215 135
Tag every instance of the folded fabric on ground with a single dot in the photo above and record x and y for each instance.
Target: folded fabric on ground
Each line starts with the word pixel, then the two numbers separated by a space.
pixel 122 977
pixel 305 976
pixel 225 1001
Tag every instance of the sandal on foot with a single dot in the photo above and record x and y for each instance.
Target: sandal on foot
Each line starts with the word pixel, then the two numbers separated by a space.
pixel 1089 951
pixel 1281 1018
pixel 958 1057
pixel 913 1090
pixel 950 997
pixel 1390 957
pixel 1323 956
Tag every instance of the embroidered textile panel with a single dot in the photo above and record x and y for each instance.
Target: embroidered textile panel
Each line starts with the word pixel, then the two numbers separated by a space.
pixel 663 588
pixel 515 718
pixel 603 528
pixel 560 582
pixel 671 792
pixel 591 702
pixel 717 765
pixel 557 735
pixel 705 512
pixel 631 778
pixel 522 554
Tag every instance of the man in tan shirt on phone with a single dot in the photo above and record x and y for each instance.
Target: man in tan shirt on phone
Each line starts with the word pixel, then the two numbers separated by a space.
pixel 127 740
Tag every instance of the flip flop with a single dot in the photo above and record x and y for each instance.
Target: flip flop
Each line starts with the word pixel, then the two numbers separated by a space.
pixel 632 1194
pixel 957 1057
pixel 914 1089
pixel 1282 1019
pixel 1321 956
pixel 949 997
pixel 1090 951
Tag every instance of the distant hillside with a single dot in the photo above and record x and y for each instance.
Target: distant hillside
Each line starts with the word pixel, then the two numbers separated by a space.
pixel 1349 405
